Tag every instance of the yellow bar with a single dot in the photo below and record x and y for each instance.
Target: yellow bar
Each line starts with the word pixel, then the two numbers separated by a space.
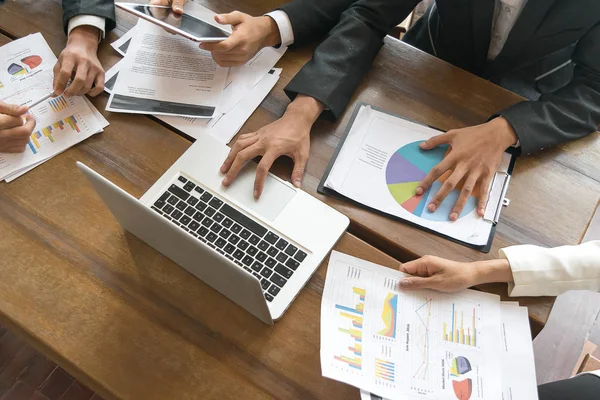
pixel 444 335
pixel 359 291
pixel 353 317
pixel 35 142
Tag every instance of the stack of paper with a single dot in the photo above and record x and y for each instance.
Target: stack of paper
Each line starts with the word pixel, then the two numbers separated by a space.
pixel 26 76
pixel 138 84
pixel 421 344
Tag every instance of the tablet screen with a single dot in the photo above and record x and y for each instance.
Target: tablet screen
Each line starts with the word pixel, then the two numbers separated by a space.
pixel 185 22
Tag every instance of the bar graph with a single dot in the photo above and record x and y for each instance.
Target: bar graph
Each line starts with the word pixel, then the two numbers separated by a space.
pixel 46 135
pixel 58 104
pixel 456 331
pixel 385 370
pixel 351 328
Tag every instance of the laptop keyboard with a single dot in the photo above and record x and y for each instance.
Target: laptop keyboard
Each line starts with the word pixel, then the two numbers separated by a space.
pixel 243 240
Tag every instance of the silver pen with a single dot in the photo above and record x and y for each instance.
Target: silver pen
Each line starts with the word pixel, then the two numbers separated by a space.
pixel 38 101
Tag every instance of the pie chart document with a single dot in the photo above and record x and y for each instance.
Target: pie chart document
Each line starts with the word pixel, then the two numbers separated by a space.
pixel 380 165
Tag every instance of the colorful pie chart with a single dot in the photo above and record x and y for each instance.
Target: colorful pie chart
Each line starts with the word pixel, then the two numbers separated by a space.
pixel 405 170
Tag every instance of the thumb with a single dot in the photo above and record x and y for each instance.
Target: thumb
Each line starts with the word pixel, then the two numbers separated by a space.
pixel 177 6
pixel 14 110
pixel 435 141
pixel 233 18
pixel 298 172
pixel 416 282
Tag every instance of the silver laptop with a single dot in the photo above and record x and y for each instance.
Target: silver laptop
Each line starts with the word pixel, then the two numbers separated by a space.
pixel 258 253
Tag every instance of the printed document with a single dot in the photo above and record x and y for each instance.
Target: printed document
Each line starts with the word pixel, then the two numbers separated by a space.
pixel 25 76
pixel 518 364
pixel 381 165
pixel 408 344
pixel 166 74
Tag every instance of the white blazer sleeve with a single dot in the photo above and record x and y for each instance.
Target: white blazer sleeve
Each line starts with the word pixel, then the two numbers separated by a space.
pixel 538 271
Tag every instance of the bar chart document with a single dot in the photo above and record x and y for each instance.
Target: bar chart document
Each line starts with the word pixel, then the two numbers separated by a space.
pixel 408 344
pixel 60 122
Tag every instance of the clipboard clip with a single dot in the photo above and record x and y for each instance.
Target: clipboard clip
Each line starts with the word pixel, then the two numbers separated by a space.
pixel 497 198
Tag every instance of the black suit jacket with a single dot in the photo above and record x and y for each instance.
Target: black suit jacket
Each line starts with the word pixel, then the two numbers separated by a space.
pixel 98 8
pixel 552 56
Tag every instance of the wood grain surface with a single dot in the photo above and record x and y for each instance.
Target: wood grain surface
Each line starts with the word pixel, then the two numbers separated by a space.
pixel 106 307
pixel 553 192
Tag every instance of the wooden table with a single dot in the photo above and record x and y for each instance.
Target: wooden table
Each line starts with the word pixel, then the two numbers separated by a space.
pixel 105 306
pixel 554 193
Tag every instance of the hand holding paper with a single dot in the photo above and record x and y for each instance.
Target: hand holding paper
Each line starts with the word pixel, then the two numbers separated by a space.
pixel 15 127
pixel 79 61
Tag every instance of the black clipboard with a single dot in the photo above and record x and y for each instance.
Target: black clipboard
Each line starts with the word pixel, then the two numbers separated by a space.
pixel 503 201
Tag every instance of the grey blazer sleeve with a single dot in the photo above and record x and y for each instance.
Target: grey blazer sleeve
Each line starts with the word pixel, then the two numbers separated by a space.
pixel 569 113
pixel 312 19
pixel 345 56
pixel 99 8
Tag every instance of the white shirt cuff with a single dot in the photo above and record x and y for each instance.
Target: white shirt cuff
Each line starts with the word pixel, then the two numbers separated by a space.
pixel 89 20
pixel 285 27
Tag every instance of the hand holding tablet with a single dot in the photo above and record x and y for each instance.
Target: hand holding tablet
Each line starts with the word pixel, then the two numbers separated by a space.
pixel 177 22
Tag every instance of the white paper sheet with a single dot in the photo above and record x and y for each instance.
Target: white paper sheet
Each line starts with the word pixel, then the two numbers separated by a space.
pixel 407 344
pixel 518 365
pixel 165 74
pixel 518 362
pixel 26 75
pixel 222 127
pixel 380 165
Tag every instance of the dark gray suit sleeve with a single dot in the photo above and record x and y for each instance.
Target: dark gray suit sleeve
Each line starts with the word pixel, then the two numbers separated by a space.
pixel 569 113
pixel 345 56
pixel 312 19
pixel 98 8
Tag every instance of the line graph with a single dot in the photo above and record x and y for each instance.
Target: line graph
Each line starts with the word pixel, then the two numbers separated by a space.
pixel 423 316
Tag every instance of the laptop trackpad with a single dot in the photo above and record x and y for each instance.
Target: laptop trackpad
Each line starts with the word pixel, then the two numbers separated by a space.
pixel 275 196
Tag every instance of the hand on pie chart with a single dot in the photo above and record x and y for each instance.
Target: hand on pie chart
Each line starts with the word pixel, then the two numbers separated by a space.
pixel 405 170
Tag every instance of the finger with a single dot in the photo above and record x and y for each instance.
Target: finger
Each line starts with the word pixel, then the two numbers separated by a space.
pixel 228 64
pixel 484 187
pixel 79 81
pixel 21 132
pixel 451 182
pixel 238 163
pixel 465 193
pixel 89 82
pixel 62 74
pixel 98 85
pixel 177 6
pixel 15 149
pixel 414 283
pixel 411 267
pixel 174 19
pixel 233 18
pixel 299 168
pixel 262 171
pixel 14 110
pixel 222 47
pixel 8 121
pixel 434 174
pixel 239 145
pixel 436 141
